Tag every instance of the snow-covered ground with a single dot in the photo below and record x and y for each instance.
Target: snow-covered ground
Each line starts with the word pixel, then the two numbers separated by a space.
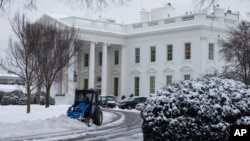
pixel 15 122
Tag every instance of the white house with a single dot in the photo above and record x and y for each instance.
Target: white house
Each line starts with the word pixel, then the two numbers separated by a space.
pixel 140 58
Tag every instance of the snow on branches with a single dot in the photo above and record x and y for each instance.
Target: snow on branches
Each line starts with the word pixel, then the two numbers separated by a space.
pixel 198 109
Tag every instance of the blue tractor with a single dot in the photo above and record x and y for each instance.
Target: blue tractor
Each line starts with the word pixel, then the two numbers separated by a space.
pixel 86 107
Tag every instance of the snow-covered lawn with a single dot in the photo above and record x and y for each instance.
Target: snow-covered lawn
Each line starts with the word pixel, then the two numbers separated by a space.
pixel 15 122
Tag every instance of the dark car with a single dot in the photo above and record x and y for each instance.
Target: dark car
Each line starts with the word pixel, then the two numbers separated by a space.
pixel 107 101
pixel 35 99
pixel 131 102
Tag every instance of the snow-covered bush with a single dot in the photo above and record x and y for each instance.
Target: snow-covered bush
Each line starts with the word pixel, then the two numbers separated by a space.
pixel 5 100
pixel 14 98
pixel 1 95
pixel 198 109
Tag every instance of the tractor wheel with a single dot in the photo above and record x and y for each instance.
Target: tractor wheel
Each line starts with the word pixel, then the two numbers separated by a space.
pixel 98 117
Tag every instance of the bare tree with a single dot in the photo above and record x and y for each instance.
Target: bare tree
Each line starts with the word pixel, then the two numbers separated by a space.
pixel 82 4
pixel 205 4
pixel 21 58
pixel 6 5
pixel 40 53
pixel 96 4
pixel 236 52
pixel 55 52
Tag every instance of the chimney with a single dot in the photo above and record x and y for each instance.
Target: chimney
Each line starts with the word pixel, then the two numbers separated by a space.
pixel 145 15
pixel 219 12
pixel 163 12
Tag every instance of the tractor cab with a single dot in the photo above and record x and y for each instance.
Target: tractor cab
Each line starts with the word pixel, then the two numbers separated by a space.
pixel 85 107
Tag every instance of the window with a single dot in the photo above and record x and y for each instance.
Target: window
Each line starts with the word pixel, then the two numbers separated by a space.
pixel 116 86
pixel 169 20
pixel 186 77
pixel 86 60
pixel 99 79
pixel 169 52
pixel 168 79
pixel 86 83
pixel 187 50
pixel 116 57
pixel 100 58
pixel 211 51
pixel 188 18
pixel 152 54
pixel 152 84
pixel 137 86
pixel 153 23
pixel 137 55
pixel 137 25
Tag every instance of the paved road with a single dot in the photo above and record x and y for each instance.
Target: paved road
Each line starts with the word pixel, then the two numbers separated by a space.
pixel 125 126
pixel 129 128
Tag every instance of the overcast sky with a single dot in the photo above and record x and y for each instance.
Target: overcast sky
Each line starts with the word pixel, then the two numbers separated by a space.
pixel 125 14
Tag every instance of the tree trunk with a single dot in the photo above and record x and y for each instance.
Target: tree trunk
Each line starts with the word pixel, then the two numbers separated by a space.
pixel 47 96
pixel 38 94
pixel 28 98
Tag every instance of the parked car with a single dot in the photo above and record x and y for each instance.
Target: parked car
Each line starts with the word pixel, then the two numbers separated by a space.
pixel 107 101
pixel 35 96
pixel 131 102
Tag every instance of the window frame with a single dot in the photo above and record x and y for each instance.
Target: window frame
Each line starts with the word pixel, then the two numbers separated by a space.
pixel 170 52
pixel 211 52
pixel 86 59
pixel 137 86
pixel 86 83
pixel 185 76
pixel 151 84
pixel 167 79
pixel 116 86
pixel 153 54
pixel 137 55
pixel 187 53
pixel 116 57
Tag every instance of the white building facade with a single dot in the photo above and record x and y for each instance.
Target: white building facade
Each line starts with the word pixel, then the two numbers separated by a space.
pixel 140 58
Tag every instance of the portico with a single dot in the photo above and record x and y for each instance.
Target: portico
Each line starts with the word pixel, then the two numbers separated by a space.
pixel 105 72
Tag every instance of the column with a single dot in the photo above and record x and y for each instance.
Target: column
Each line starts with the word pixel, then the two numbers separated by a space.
pixel 71 84
pixel 91 80
pixel 123 72
pixel 104 69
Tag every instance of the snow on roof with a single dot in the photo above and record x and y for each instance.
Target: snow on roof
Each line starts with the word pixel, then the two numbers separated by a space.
pixel 60 18
pixel 57 16
pixel 9 88
pixel 6 73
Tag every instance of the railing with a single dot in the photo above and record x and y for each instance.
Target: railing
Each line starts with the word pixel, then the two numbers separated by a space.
pixel 188 18
pixel 95 24
pixel 139 25
pixel 168 22
pixel 153 23
pixel 174 20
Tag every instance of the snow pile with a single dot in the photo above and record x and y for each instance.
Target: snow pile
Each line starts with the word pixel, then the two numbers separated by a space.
pixel 58 124
pixel 198 109
pixel 15 123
